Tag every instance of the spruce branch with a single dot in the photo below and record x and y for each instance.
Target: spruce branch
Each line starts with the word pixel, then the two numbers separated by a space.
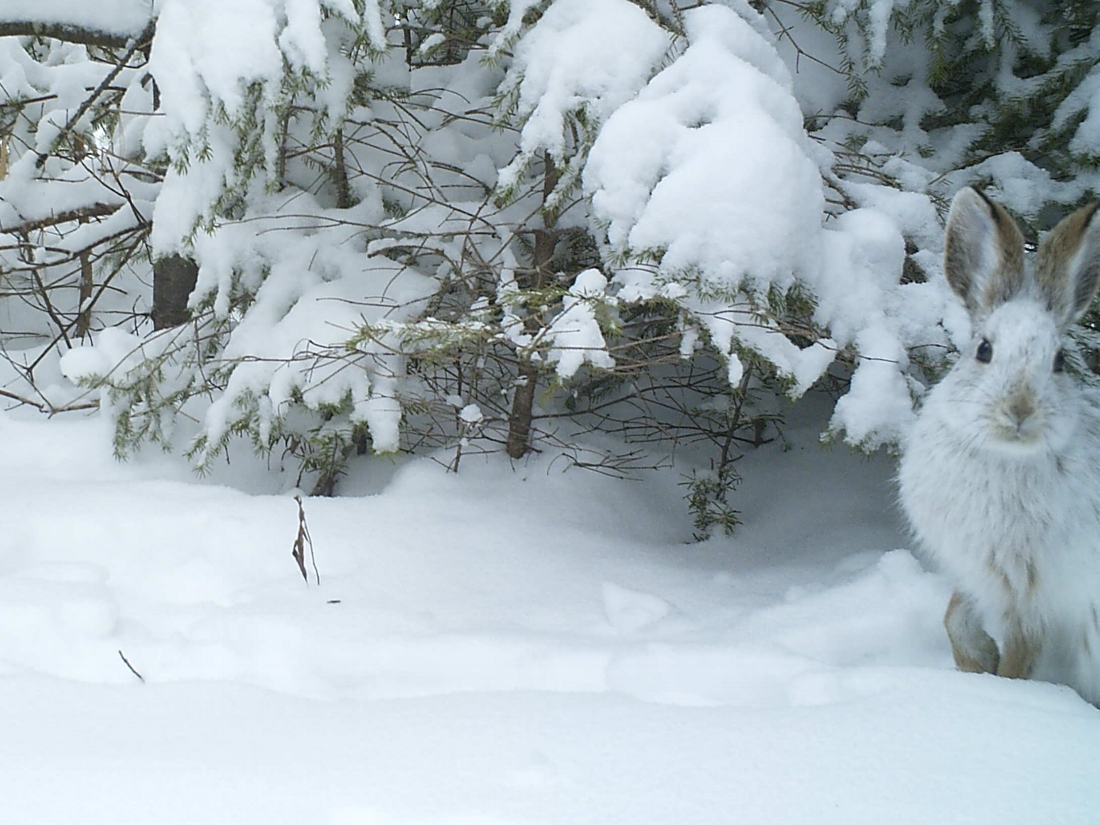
pixel 139 42
pixel 67 32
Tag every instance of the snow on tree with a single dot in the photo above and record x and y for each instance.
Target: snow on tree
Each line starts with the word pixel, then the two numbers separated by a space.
pixel 402 225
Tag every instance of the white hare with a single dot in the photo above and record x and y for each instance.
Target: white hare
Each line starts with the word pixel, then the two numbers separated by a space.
pixel 1000 477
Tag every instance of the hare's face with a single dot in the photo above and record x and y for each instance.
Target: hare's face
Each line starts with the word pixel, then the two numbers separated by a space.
pixel 1015 369
pixel 1009 387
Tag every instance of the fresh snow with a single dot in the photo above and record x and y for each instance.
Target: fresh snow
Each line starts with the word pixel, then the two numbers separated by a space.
pixel 582 57
pixel 575 334
pixel 512 644
pixel 114 16
pixel 515 644
pixel 691 151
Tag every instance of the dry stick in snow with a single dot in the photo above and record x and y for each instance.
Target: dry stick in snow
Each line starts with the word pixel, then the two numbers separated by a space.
pixel 303 538
pixel 127 661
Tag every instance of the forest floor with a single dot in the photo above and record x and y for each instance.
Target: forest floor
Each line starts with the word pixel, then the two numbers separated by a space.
pixel 517 643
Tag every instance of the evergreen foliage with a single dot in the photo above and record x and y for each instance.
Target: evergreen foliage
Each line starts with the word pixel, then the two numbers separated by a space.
pixel 498 225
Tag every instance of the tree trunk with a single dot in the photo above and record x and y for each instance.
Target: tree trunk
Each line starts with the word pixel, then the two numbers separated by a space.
pixel 87 277
pixel 87 286
pixel 523 402
pixel 174 279
pixel 523 405
pixel 340 172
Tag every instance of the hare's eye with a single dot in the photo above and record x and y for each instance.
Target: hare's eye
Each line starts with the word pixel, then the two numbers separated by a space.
pixel 985 352
pixel 1060 361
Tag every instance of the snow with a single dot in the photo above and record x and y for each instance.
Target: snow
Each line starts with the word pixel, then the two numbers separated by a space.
pixel 518 643
pixel 582 58
pixel 218 63
pixel 724 192
pixel 512 644
pixel 719 208
pixel 116 16
pixel 720 122
pixel 575 337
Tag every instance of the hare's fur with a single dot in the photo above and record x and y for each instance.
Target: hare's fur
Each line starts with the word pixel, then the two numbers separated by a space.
pixel 1000 477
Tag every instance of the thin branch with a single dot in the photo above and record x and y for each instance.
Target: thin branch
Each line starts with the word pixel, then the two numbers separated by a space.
pixel 127 662
pixel 65 31
pixel 47 407
pixel 139 42
pixel 93 210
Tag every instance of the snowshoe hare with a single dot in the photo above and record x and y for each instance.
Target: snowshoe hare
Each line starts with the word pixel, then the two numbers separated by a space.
pixel 1000 478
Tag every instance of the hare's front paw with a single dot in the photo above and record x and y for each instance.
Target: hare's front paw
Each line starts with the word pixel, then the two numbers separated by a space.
pixel 1020 653
pixel 974 649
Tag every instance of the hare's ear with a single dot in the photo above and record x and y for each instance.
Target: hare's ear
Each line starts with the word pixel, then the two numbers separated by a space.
pixel 983 253
pixel 1068 266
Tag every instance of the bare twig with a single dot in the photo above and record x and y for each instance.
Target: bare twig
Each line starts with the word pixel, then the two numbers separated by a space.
pixel 127 661
pixel 300 542
pixel 47 407
pixel 144 39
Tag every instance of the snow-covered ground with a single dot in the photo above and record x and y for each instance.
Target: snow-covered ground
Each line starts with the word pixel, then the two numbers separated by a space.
pixel 509 645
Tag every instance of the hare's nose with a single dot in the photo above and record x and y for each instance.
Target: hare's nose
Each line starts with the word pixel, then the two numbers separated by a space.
pixel 1021 404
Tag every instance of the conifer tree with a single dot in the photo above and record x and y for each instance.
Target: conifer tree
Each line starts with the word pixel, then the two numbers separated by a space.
pixel 489 225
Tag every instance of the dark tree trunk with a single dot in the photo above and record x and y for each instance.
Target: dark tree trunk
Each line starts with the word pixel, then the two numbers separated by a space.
pixel 340 172
pixel 87 286
pixel 174 279
pixel 523 402
pixel 523 406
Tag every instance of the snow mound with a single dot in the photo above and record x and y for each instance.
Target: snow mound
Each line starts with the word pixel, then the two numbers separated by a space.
pixel 508 646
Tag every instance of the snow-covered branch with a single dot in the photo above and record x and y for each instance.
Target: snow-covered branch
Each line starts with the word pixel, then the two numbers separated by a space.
pixel 105 23
pixel 391 212
pixel 66 32
pixel 83 213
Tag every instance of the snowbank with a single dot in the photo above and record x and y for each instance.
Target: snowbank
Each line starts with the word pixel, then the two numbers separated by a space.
pixel 499 647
